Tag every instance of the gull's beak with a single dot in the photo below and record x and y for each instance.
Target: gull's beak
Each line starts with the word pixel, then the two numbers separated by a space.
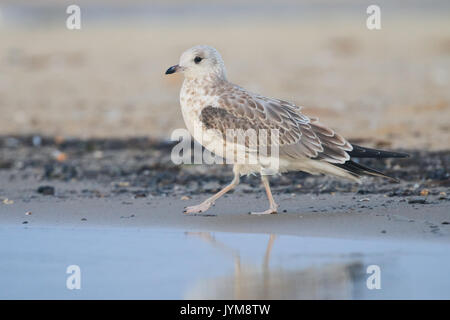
pixel 173 69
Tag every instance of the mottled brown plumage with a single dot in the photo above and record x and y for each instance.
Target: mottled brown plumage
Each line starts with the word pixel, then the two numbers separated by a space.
pixel 299 137
pixel 216 106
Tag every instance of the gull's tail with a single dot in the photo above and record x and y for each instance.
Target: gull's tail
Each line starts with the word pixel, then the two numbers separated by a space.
pixel 362 152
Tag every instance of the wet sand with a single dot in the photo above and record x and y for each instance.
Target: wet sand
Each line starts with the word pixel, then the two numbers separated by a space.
pixel 350 216
pixel 318 247
pixel 114 207
pixel 134 183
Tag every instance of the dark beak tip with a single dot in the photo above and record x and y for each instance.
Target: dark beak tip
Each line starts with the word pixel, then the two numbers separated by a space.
pixel 172 69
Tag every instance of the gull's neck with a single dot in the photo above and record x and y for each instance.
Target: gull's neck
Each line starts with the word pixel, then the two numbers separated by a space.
pixel 203 84
pixel 196 90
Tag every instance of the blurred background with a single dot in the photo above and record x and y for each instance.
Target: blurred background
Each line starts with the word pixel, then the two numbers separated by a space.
pixel 388 87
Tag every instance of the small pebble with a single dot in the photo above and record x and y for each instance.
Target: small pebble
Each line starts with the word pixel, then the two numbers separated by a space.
pixel 37 141
pixel 140 195
pixel 419 201
pixel 59 156
pixel 185 198
pixel 98 154
pixel 46 190
pixel 7 201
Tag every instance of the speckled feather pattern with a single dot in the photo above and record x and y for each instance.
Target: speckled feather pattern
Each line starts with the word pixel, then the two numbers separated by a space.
pixel 209 101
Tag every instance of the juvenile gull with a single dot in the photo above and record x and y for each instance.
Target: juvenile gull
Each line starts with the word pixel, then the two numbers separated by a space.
pixel 210 102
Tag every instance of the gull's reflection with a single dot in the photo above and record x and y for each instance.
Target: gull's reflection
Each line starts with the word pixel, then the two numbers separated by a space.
pixel 332 281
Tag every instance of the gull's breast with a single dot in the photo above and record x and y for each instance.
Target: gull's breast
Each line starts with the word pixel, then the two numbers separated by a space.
pixel 193 99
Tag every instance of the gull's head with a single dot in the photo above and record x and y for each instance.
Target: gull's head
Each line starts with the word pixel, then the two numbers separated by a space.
pixel 199 62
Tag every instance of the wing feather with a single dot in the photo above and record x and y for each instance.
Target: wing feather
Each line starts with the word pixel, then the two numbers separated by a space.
pixel 299 136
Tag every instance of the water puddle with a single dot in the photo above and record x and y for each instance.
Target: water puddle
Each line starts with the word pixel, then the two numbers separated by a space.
pixel 171 264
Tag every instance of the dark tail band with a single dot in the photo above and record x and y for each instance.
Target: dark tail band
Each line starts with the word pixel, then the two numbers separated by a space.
pixel 359 169
pixel 362 152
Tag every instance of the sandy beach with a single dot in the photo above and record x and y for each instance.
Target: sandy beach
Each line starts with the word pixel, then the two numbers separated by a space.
pixel 107 80
pixel 319 247
pixel 133 182
pixel 352 216
pixel 116 205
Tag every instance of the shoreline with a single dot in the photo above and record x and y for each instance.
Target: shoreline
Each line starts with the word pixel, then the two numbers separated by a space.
pixel 114 208
pixel 344 216
pixel 133 183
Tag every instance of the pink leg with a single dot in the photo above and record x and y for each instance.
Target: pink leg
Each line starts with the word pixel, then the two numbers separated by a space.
pixel 273 205
pixel 205 205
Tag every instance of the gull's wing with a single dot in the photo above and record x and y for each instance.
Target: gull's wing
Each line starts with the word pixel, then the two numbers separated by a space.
pixel 299 136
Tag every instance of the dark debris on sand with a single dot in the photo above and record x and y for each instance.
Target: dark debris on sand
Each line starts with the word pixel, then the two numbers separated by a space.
pixel 142 166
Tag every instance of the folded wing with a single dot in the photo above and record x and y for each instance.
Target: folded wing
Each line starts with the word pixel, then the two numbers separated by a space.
pixel 299 137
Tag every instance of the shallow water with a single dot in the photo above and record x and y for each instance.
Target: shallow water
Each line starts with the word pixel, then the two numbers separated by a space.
pixel 170 264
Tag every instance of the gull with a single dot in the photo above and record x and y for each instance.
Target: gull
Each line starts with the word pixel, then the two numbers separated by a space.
pixel 210 102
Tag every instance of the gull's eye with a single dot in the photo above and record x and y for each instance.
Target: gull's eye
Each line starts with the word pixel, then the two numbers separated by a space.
pixel 198 59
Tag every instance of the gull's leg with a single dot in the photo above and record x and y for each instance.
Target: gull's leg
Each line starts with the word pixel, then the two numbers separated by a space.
pixel 202 207
pixel 273 205
pixel 268 251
